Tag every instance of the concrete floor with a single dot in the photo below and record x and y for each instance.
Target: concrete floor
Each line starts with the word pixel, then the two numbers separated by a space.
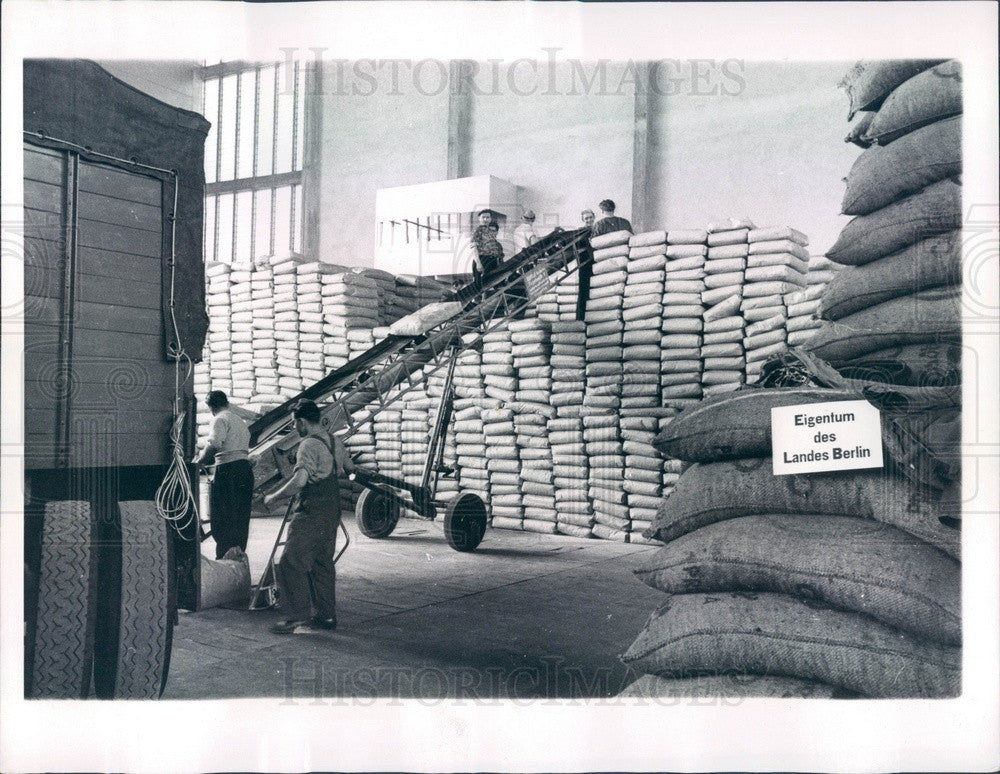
pixel 524 616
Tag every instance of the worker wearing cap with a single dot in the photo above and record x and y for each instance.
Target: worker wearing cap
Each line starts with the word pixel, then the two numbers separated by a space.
pixel 525 234
pixel 489 251
pixel 306 574
pixel 231 495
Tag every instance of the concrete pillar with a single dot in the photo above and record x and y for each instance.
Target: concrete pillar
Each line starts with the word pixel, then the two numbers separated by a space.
pixel 640 149
pixel 460 118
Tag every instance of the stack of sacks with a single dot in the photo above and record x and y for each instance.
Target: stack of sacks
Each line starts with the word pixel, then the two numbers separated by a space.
pixel 286 326
pixel 415 430
pixel 310 298
pixel 545 308
pixel 266 392
pixel 603 385
pixel 846 582
pixel 681 371
pixel 802 306
pixel 468 377
pixel 361 447
pixel 604 322
pixel 359 341
pixel 497 358
pixel 643 472
pixel 531 349
pixel 413 292
pixel 570 476
pixel 569 347
pixel 385 284
pixel 606 457
pixel 565 431
pixel 202 386
pixel 777 265
pixel 503 465
pixel 349 302
pixel 241 331
pixel 470 446
pixel 388 424
pixel 642 314
pixel 447 484
pixel 567 297
pixel 893 312
pixel 220 357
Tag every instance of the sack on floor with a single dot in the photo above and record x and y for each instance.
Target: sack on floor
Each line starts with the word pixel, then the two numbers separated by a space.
pixel 226 581
pixel 926 97
pixel 779 635
pixel 885 173
pixel 848 563
pixel 929 263
pixel 934 210
pixel 713 492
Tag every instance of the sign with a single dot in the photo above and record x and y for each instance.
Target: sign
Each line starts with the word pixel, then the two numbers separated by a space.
pixel 536 281
pixel 816 437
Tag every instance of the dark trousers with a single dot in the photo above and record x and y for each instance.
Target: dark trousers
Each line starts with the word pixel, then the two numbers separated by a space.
pixel 306 575
pixel 585 272
pixel 229 504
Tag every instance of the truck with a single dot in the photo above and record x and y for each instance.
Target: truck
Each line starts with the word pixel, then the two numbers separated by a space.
pixel 114 320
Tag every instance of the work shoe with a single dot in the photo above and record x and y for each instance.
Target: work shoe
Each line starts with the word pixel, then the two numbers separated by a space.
pixel 289 627
pixel 327 624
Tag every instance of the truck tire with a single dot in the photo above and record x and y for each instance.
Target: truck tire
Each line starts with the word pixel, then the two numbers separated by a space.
pixel 136 617
pixel 61 625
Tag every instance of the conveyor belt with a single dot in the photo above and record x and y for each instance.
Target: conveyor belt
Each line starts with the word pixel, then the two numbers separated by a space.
pixel 355 392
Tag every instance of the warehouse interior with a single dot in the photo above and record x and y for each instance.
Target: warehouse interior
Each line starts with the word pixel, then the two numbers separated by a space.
pixel 619 521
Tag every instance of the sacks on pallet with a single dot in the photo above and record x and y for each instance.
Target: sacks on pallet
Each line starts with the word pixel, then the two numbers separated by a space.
pixel 776 634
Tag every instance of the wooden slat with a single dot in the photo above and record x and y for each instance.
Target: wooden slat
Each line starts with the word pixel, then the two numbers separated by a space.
pixel 119 184
pixel 113 372
pixel 118 238
pixel 39 309
pixel 116 265
pixel 137 294
pixel 47 197
pixel 89 447
pixel 96 325
pixel 43 165
pixel 118 212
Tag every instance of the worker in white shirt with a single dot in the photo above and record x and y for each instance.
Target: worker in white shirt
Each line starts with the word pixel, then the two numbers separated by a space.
pixel 231 495
pixel 525 234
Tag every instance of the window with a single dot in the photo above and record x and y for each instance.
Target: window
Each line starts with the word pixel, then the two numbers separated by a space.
pixel 253 159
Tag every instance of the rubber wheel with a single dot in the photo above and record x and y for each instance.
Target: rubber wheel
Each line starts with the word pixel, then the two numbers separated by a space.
pixel 135 627
pixel 376 514
pixel 61 637
pixel 465 522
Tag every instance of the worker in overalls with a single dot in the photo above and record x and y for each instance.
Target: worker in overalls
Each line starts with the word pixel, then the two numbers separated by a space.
pixel 306 574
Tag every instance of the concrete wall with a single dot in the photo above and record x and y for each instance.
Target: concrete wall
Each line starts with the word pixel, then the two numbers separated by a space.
pixel 774 152
pixel 174 82
pixel 370 142
pixel 566 145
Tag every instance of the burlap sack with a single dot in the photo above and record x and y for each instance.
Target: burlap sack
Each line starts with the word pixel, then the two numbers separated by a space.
pixel 926 264
pixel 848 563
pixel 735 426
pixel 916 365
pixel 933 210
pixel 779 635
pixel 883 174
pixel 869 82
pixel 730 686
pixel 925 98
pixel 709 493
pixel 930 316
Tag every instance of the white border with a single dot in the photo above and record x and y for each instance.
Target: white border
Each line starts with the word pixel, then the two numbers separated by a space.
pixel 756 735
